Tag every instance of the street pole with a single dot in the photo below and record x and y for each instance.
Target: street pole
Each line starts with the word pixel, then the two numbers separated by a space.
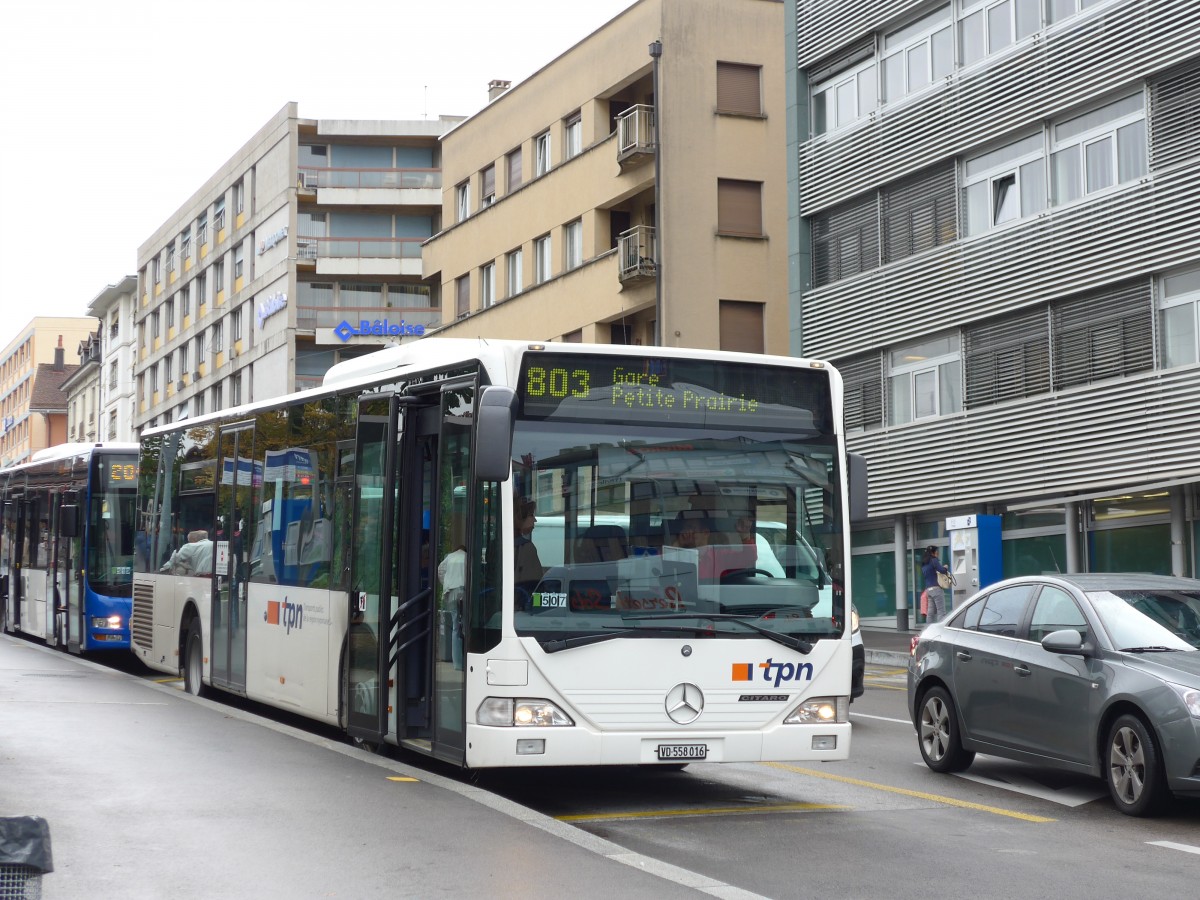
pixel 655 55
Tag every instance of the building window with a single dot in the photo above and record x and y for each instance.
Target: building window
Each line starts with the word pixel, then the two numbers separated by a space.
pixel 202 288
pixel 113 377
pixel 219 276
pixel 157 270
pixel 1180 303
pixel 541 259
pixel 988 27
pixel 154 328
pixel 219 214
pixel 235 325
pixel 516 278
pixel 919 213
pixel 185 244
pixel 1007 358
pixel 488 177
pixel 924 380
pixel 216 398
pixel 142 334
pixel 237 261
pixel 462 296
pixel 235 389
pixel 1004 185
pixel 918 54
pixel 169 312
pixel 541 146
pixel 862 379
pixel 1064 9
pixel 487 285
pixel 168 369
pixel 1103 335
pixel 739 90
pixel 514 170
pixel 198 403
pixel 171 256
pixel 183 359
pixel 739 207
pixel 573 244
pixel 1100 148
pixel 573 136
pixel 462 201
pixel 239 196
pixel 741 326
pixel 202 229
pixel 154 379
pixel 141 388
pixel 218 337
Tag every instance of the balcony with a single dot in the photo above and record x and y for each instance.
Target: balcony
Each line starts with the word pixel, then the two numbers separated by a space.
pixel 637 254
pixel 360 256
pixel 637 139
pixel 311 178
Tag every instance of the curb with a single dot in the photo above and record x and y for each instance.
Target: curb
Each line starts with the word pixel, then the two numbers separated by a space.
pixel 887 657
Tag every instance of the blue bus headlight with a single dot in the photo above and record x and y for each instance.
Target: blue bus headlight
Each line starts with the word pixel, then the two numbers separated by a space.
pixel 507 712
pixel 110 622
pixel 818 710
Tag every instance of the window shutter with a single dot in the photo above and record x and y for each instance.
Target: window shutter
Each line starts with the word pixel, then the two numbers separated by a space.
pixel 843 59
pixel 918 213
pixel 514 170
pixel 1175 118
pixel 1008 358
pixel 862 381
pixel 462 288
pixel 489 181
pixel 739 207
pixel 1103 335
pixel 742 327
pixel 738 89
pixel 845 240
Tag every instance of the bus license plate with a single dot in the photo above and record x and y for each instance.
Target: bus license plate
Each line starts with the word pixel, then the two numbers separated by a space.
pixel 682 751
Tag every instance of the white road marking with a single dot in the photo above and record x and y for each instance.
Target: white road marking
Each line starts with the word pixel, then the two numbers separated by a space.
pixel 855 715
pixel 1076 795
pixel 1171 845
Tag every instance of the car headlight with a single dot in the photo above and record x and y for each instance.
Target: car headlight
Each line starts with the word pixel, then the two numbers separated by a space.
pixel 520 712
pixel 853 619
pixel 1190 697
pixel 818 710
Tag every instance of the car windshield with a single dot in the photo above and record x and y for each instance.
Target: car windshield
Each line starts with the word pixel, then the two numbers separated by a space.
pixel 641 531
pixel 1150 619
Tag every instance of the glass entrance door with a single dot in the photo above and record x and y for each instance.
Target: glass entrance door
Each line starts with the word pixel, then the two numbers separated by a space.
pixel 239 476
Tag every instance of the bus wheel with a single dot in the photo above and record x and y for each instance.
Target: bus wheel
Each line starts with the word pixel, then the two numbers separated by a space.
pixel 193 661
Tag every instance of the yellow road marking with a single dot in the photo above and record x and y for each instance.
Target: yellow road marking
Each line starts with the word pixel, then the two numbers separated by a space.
pixel 175 680
pixel 400 778
pixel 920 795
pixel 712 811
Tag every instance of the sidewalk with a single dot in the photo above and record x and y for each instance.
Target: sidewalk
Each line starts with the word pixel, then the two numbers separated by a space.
pixel 887 646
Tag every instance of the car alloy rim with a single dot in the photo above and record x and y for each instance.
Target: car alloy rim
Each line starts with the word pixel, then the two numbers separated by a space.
pixel 1128 765
pixel 935 728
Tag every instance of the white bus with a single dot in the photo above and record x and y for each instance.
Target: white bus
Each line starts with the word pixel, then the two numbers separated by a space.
pixel 368 569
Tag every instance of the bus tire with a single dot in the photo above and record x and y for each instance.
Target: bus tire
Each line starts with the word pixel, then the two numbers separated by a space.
pixel 193 661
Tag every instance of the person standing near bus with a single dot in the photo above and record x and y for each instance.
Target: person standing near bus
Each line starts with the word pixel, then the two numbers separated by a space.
pixel 527 564
pixel 931 566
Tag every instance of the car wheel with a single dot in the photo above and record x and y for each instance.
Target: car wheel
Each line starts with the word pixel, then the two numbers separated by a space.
pixel 193 661
pixel 1136 779
pixel 937 733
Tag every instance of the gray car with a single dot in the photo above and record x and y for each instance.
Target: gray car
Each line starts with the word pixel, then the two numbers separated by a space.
pixel 1098 674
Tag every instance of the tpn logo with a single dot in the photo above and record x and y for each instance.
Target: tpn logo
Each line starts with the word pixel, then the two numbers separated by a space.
pixel 774 673
pixel 281 612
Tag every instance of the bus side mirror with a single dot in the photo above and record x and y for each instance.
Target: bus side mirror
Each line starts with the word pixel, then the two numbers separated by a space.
pixel 68 520
pixel 856 474
pixel 495 417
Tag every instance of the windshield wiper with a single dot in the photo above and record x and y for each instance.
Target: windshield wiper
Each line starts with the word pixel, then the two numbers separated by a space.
pixel 1156 649
pixel 584 639
pixel 787 640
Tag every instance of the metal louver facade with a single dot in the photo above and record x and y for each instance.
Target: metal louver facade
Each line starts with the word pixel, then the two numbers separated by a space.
pixel 1063 388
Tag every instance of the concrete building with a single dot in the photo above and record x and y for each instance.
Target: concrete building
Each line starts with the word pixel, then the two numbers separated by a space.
pixel 995 234
pixel 585 204
pixel 116 308
pixel 263 278
pixel 32 369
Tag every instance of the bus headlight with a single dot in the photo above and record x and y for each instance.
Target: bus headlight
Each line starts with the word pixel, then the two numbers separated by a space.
pixel 507 712
pixel 819 710
pixel 110 622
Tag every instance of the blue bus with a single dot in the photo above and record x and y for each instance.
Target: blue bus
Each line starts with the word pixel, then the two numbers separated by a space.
pixel 67 545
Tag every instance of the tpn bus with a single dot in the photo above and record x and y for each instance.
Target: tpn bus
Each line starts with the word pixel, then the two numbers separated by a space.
pixel 67 545
pixel 364 554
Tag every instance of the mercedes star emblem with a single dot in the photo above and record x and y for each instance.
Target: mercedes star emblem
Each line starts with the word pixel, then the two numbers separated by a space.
pixel 684 703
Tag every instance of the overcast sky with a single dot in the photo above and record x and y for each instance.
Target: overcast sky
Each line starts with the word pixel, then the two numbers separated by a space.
pixel 114 112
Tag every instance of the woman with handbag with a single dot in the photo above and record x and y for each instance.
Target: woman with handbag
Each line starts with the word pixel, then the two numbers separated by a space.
pixel 931 568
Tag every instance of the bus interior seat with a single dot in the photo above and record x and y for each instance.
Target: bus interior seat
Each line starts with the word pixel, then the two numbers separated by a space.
pixel 601 543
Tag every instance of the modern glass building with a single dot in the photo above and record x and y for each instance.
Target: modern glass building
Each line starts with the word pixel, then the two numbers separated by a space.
pixel 994 232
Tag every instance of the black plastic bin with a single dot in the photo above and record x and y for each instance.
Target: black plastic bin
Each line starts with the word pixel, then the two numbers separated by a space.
pixel 24 857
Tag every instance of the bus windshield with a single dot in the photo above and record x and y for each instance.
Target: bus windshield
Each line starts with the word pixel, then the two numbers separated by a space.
pixel 668 521
pixel 111 524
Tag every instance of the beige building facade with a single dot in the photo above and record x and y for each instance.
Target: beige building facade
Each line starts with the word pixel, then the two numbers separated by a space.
pixel 584 204
pixel 26 424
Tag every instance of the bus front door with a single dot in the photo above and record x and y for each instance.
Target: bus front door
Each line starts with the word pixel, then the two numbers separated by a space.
pixel 238 475
pixel 70 527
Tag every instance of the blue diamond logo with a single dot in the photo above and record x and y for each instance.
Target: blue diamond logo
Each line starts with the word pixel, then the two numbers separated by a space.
pixel 344 331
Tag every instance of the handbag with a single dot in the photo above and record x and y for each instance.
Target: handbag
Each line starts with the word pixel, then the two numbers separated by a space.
pixel 945 580
pixel 925 602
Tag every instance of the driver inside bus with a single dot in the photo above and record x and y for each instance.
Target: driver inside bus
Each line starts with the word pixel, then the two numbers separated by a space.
pixel 193 558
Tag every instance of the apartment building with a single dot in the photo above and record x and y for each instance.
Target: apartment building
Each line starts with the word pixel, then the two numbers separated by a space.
pixel 995 236
pixel 272 270
pixel 32 369
pixel 587 204
pixel 116 308
pixel 82 392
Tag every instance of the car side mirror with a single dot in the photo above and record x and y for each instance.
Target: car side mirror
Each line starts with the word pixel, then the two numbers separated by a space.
pixel 1067 641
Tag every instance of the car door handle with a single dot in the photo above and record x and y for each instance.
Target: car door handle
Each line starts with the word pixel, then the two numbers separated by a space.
pixel 963 655
pixel 1023 671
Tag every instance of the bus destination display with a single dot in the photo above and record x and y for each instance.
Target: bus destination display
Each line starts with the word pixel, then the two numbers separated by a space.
pixel 617 388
